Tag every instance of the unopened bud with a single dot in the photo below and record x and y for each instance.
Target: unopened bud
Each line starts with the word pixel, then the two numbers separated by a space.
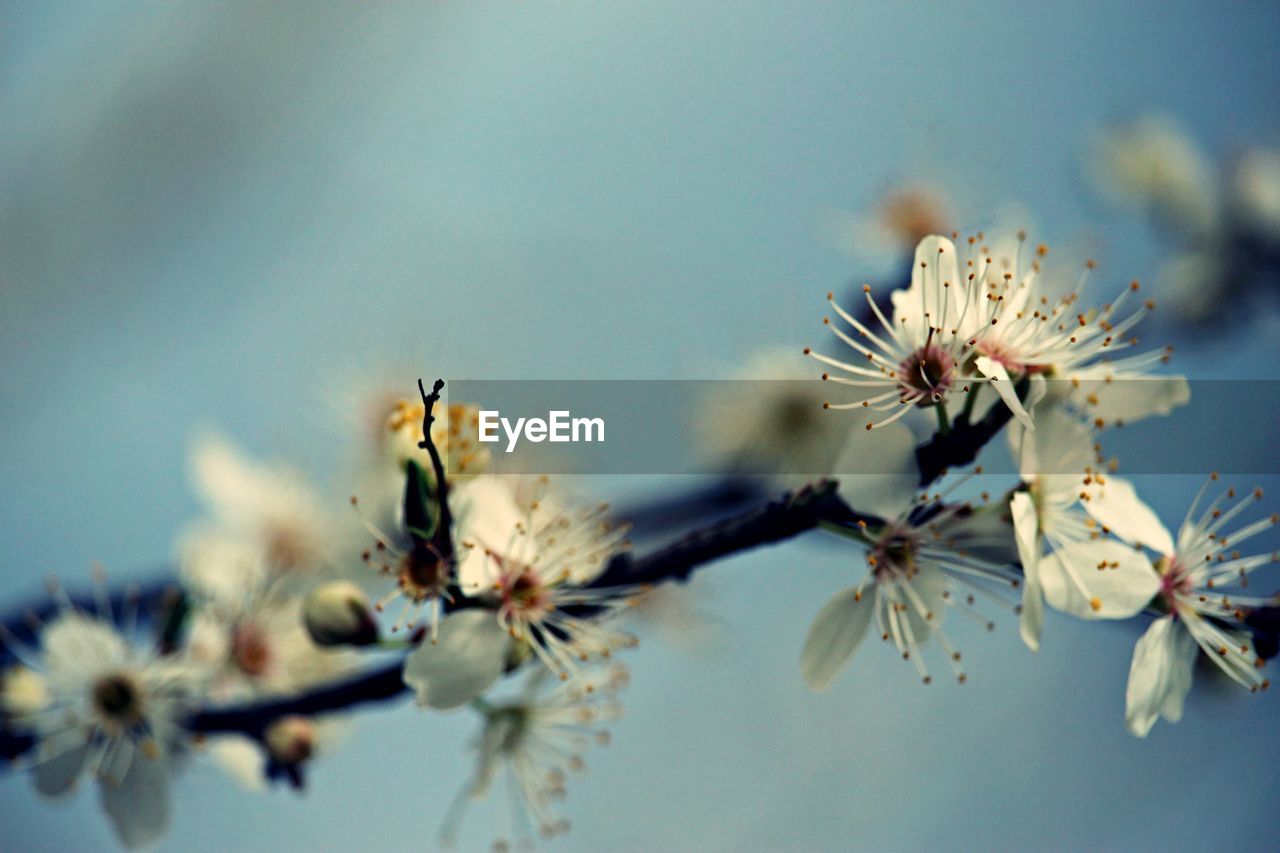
pixel 338 614
pixel 290 740
pixel 23 691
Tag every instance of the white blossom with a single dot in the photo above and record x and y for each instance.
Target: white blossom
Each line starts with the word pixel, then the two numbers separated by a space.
pixel 1085 573
pixel 926 558
pixel 536 740
pixel 1152 164
pixel 770 419
pixel 1200 578
pixel 111 710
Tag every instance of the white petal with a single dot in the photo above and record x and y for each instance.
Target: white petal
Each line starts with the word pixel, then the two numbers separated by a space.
pixel 56 775
pixel 1159 676
pixel 1059 445
pixel 243 760
pixel 1124 587
pixel 1003 385
pixel 834 636
pixel 938 256
pixel 1128 398
pixel 138 805
pixel 77 647
pixel 877 470
pixel 1027 532
pixel 1116 506
pixel 466 660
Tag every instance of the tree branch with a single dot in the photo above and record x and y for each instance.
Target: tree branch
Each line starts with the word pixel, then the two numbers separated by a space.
pixel 775 521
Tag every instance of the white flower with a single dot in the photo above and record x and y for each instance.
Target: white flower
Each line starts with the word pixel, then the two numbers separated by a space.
pixel 113 711
pixel 262 508
pixel 1151 163
pixel 528 563
pixel 927 557
pixel 1086 574
pixel 769 419
pixel 1255 185
pixel 915 361
pixel 899 218
pixel 537 740
pixel 455 433
pixel 422 572
pixel 987 319
pixel 1017 329
pixel 249 629
pixel 1196 575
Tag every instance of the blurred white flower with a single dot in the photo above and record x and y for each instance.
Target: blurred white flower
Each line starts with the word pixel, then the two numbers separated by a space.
pixel 925 558
pixel 256 507
pixel 111 710
pixel 889 230
pixel 1090 576
pixel 1255 192
pixel 1194 579
pixel 769 419
pixel 1151 164
pixel 455 433
pixel 247 626
pixel 537 739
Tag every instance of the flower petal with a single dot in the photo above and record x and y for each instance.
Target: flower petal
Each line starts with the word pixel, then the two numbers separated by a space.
pixel 1159 676
pixel 462 664
pixel 138 805
pixel 1127 398
pixel 1115 505
pixel 1003 386
pixel 1074 583
pixel 834 636
pixel 1027 533
pixel 77 646
pixel 243 760
pixel 56 775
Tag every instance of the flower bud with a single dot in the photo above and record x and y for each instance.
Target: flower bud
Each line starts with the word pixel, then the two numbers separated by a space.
pixel 290 740
pixel 23 691
pixel 337 614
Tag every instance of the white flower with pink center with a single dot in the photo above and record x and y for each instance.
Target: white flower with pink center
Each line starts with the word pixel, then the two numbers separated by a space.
pixel 1017 329
pixel 927 558
pixel 915 361
pixel 1200 581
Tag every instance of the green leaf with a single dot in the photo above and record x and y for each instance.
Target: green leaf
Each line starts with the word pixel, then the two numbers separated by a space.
pixel 419 518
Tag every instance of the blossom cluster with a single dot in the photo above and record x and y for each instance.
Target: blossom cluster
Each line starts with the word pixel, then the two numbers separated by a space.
pixel 451 575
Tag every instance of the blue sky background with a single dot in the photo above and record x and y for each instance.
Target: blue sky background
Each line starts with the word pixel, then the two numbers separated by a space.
pixel 228 214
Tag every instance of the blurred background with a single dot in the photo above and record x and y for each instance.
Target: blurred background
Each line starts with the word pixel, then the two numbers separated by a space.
pixel 243 215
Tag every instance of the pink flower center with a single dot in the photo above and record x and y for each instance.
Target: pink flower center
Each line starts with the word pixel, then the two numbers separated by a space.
pixel 928 370
pixel 524 595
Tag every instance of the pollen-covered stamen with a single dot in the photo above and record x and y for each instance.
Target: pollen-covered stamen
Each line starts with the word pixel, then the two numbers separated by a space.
pixel 118 701
pixel 929 371
pixel 1175 582
pixel 250 649
pixel 423 576
pixel 522 593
